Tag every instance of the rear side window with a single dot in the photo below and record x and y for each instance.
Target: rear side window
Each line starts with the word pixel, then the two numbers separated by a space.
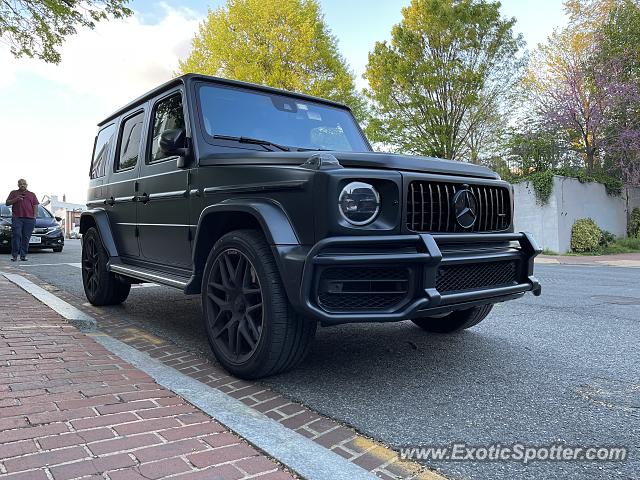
pixel 167 115
pixel 101 151
pixel 130 138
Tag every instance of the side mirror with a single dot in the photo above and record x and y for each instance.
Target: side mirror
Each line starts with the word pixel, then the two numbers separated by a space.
pixel 58 219
pixel 174 142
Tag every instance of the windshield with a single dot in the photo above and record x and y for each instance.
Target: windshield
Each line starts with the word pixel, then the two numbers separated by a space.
pixel 233 112
pixel 5 211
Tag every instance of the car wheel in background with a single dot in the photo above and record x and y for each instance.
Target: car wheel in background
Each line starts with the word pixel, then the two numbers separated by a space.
pixel 101 287
pixel 454 321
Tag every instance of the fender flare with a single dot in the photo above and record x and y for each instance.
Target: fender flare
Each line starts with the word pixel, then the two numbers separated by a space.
pixel 270 215
pixel 98 217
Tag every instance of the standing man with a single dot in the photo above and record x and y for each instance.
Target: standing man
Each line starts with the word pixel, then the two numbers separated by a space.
pixel 24 211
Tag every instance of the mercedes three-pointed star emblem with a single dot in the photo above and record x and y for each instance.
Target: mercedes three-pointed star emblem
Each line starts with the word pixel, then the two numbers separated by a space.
pixel 465 207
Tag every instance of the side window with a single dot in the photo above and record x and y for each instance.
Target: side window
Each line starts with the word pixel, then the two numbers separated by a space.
pixel 101 151
pixel 167 115
pixel 130 137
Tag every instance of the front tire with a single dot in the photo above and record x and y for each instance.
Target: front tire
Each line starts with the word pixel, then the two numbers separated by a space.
pixel 101 287
pixel 252 329
pixel 454 321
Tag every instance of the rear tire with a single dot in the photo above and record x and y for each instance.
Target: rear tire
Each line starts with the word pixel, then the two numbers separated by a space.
pixel 454 321
pixel 101 287
pixel 252 329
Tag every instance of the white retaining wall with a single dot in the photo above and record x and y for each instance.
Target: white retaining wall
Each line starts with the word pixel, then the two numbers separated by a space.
pixel 570 200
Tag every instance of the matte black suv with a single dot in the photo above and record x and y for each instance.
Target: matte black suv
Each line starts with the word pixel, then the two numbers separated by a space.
pixel 274 207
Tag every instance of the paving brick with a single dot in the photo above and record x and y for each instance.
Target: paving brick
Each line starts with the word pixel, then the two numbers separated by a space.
pixel 32 432
pixel 221 455
pixel 103 420
pixel 271 404
pixel 60 416
pixel 123 444
pixel 38 460
pixel 334 437
pixel 91 467
pixel 167 411
pixel 223 472
pixel 68 439
pixel 32 475
pixel 126 407
pixel 171 449
pixel 256 465
pixel 88 402
pixel 146 394
pixel 221 439
pixel 299 420
pixel 8 450
pixel 27 409
pixel 11 423
pixel 146 426
pixel 192 431
pixel 163 468
pixel 276 476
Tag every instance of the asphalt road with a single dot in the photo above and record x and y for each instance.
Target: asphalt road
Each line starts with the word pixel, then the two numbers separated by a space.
pixel 563 367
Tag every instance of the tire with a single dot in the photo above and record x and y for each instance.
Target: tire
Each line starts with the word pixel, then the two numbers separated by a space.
pixel 101 287
pixel 57 249
pixel 454 321
pixel 252 329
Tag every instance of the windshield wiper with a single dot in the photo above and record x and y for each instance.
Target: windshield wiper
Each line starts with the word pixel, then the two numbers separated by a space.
pixel 256 141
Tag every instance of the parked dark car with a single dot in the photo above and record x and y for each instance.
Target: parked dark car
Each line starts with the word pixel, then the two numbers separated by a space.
pixel 274 207
pixel 46 234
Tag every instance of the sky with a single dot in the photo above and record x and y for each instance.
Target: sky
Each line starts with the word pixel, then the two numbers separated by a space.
pixel 48 113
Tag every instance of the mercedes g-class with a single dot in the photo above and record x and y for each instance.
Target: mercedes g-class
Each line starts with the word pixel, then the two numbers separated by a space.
pixel 274 208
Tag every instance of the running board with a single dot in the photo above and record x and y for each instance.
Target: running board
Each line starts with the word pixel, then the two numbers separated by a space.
pixel 150 275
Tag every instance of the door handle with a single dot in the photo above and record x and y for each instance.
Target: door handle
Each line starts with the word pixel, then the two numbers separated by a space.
pixel 144 198
pixel 110 201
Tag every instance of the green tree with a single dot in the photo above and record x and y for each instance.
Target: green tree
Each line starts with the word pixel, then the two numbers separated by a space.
pixel 36 28
pixel 281 43
pixel 446 72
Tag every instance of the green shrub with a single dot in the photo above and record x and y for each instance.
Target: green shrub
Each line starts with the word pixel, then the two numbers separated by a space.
pixel 633 229
pixel 607 238
pixel 585 236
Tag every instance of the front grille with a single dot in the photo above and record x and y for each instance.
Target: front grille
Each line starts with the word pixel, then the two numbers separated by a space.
pixel 39 230
pixel 348 289
pixel 430 207
pixel 458 278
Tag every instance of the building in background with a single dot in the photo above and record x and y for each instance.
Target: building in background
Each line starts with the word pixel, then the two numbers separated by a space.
pixel 67 211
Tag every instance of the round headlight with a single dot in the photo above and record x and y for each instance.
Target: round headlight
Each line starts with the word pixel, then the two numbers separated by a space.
pixel 359 203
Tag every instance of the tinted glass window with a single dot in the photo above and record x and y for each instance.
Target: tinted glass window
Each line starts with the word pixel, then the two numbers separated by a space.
pixel 101 151
pixel 5 211
pixel 130 142
pixel 168 115
pixel 279 119
pixel 43 212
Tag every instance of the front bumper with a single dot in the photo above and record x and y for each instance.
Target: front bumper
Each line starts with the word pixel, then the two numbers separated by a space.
pixel 483 268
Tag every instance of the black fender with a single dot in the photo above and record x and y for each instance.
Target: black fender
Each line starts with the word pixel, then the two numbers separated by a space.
pixel 98 218
pixel 269 215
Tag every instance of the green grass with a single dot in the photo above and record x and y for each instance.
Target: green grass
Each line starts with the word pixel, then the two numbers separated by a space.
pixel 546 251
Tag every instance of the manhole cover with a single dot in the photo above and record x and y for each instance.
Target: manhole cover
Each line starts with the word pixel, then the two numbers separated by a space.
pixel 617 300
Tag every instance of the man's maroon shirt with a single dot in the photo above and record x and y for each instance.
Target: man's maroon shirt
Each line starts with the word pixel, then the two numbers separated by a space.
pixel 24 207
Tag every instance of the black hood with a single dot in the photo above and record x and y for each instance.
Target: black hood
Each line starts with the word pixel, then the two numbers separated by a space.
pixel 388 161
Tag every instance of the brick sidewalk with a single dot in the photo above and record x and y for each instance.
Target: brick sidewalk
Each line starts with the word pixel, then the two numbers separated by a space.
pixel 70 409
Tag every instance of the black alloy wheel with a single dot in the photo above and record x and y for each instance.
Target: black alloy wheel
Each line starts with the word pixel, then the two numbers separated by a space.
pixel 101 287
pixel 252 328
pixel 234 296
pixel 91 268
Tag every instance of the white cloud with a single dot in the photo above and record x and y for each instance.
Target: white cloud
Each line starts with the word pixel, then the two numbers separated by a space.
pixel 101 70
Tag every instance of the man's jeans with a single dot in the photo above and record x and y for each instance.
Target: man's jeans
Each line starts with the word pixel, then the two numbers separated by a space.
pixel 21 230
